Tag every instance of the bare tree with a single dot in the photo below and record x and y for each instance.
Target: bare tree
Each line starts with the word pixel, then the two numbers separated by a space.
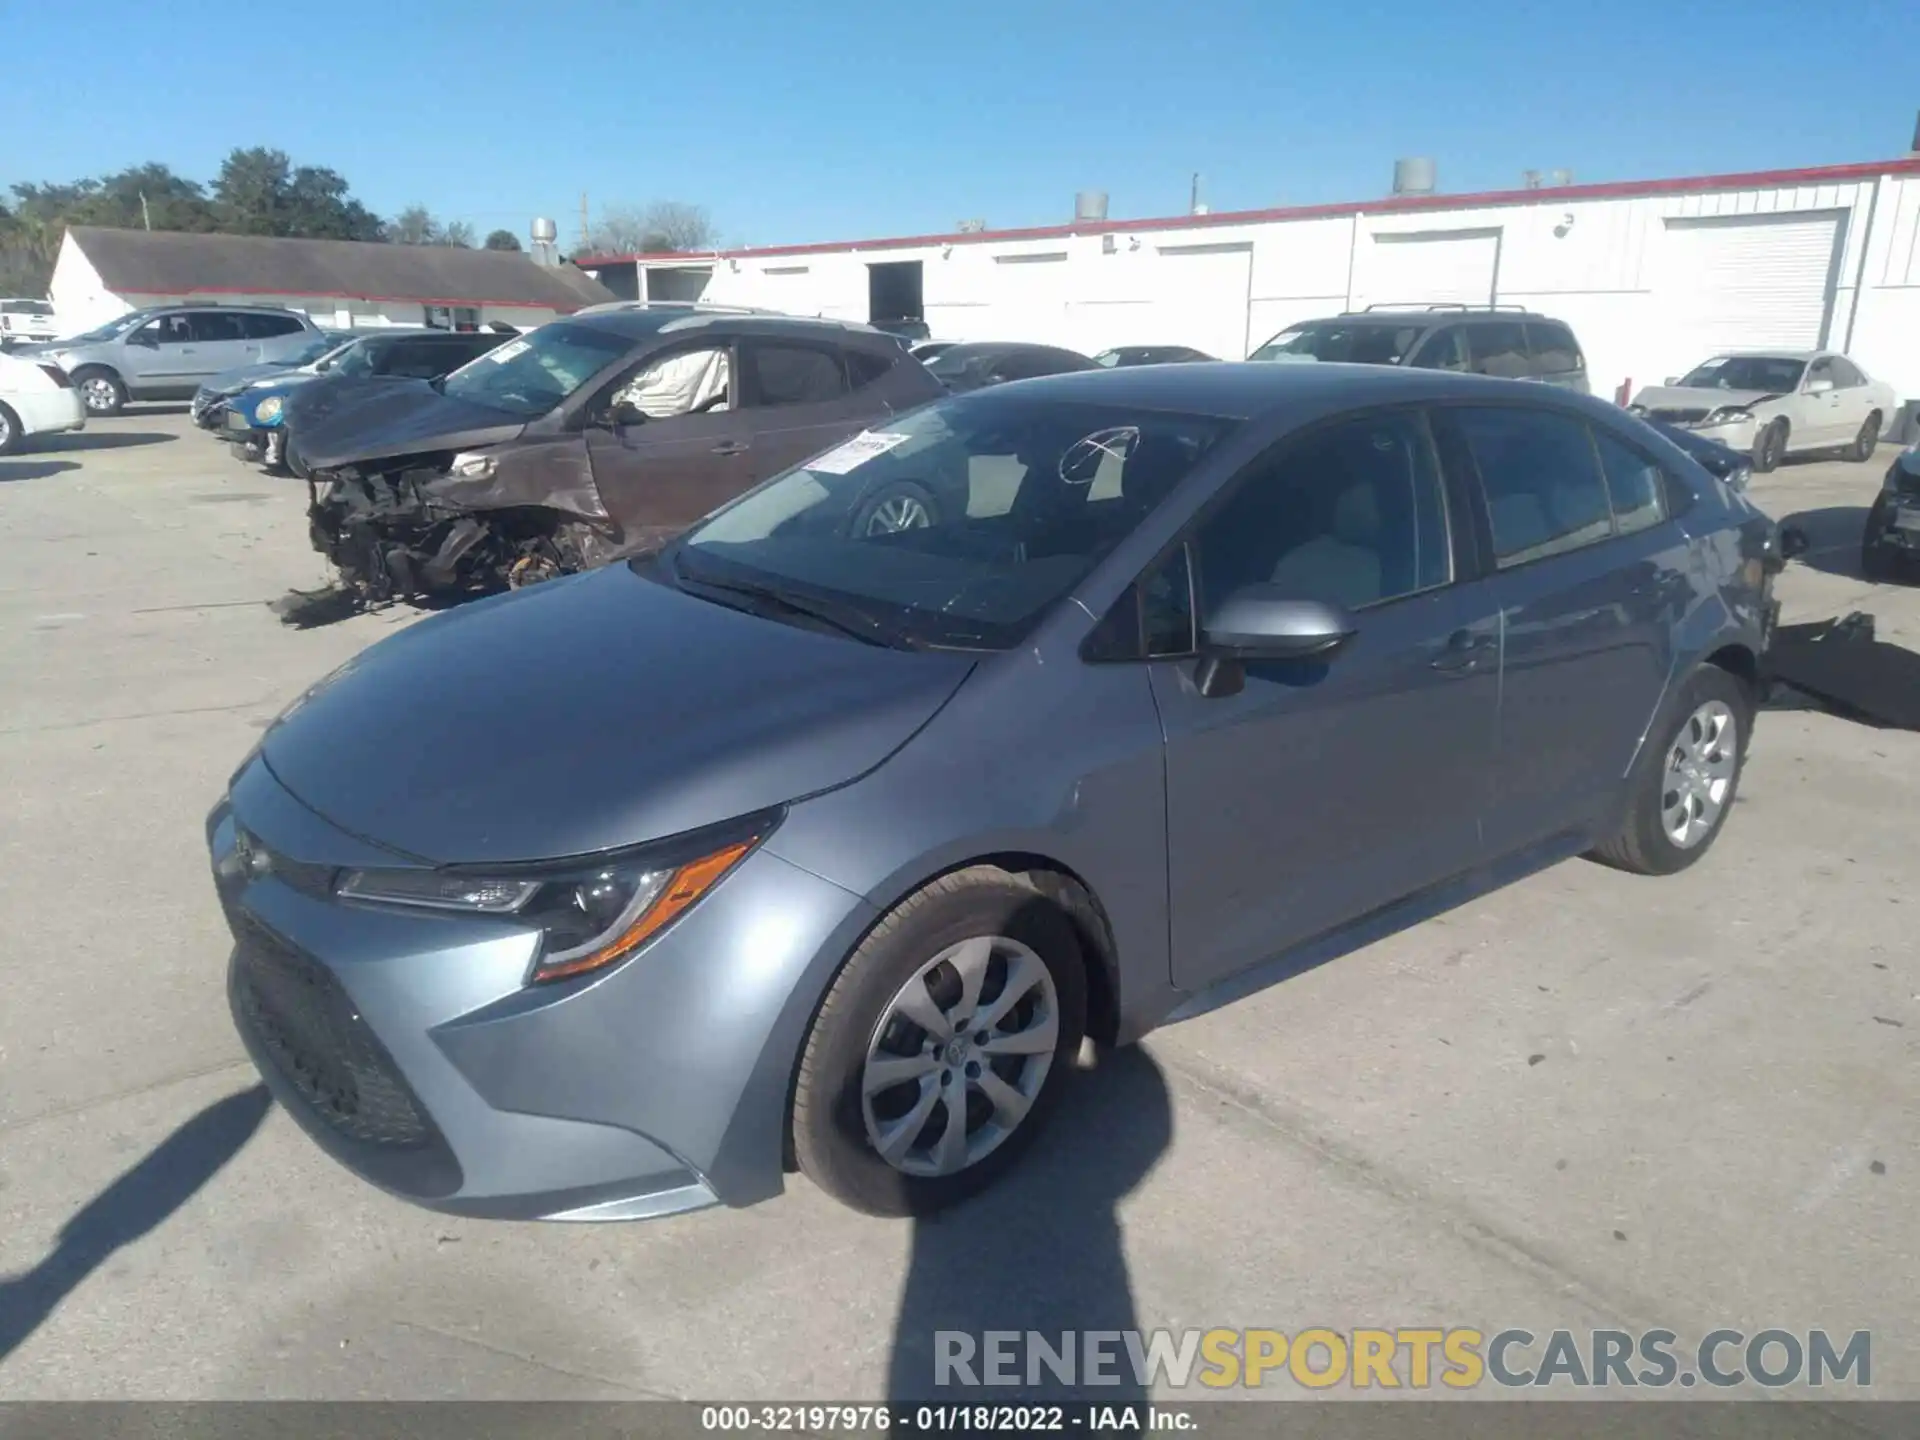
pixel 661 227
pixel 457 232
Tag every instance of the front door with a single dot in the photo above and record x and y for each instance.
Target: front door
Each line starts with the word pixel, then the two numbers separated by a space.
pixel 667 442
pixel 161 356
pixel 1590 578
pixel 798 401
pixel 1823 410
pixel 1324 790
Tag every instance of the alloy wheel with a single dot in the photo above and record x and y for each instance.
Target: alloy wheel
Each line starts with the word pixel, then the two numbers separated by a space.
pixel 959 1056
pixel 1699 774
pixel 99 394
pixel 7 436
pixel 900 512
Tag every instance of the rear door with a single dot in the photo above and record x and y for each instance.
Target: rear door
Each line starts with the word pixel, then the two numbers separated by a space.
pixel 275 337
pixel 1587 596
pixel 796 399
pixel 221 341
pixel 1855 399
pixel 666 440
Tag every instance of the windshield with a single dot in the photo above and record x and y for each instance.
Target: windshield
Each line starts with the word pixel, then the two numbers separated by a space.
pixel 353 358
pixel 959 524
pixel 1108 358
pixel 532 374
pixel 318 349
pixel 1342 342
pixel 116 327
pixel 1776 373
pixel 25 307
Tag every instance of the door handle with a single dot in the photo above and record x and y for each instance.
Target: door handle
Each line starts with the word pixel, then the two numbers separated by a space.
pixel 730 447
pixel 1463 652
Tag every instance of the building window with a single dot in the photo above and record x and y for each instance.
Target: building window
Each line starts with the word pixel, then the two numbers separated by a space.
pixel 453 317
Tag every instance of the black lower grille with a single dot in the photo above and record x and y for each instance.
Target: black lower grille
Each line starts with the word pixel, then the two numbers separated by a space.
pixel 1678 416
pixel 304 1020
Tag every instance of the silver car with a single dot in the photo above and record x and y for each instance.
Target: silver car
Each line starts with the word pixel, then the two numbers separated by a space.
pixel 802 843
pixel 1774 403
pixel 166 352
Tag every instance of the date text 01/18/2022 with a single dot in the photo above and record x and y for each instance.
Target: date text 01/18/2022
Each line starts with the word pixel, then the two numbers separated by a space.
pixel 941 1419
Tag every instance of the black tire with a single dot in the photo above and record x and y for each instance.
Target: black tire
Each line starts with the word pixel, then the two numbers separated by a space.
pixel 1878 559
pixel 101 390
pixel 906 499
pixel 1769 447
pixel 1642 845
pixel 829 1124
pixel 11 436
pixel 1867 440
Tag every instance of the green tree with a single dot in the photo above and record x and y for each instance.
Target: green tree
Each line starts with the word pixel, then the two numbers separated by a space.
pixel 414 225
pixel 260 192
pixel 457 232
pixel 502 240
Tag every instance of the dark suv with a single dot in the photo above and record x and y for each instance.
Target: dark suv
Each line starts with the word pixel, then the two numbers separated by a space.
pixel 1508 343
pixel 600 435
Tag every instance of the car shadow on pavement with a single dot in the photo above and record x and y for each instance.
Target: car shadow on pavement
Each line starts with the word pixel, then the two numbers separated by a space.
pixel 104 440
pixel 33 469
pixel 1833 538
pixel 131 1207
pixel 1040 1251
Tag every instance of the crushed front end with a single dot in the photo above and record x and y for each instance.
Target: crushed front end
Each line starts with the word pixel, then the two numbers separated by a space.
pixel 415 528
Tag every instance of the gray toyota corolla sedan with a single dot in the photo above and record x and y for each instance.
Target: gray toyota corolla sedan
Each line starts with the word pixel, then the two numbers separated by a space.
pixel 809 844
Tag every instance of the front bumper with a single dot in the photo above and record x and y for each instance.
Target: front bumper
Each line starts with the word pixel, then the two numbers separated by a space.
pixel 409 1047
pixel 1734 434
pixel 1900 529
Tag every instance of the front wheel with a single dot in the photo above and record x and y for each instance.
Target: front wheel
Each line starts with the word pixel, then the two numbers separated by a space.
pixel 101 392
pixel 1878 559
pixel 903 505
pixel 1682 791
pixel 10 431
pixel 941 1045
pixel 1770 447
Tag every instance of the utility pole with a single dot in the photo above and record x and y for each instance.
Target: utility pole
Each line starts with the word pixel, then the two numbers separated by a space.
pixel 583 221
pixel 145 218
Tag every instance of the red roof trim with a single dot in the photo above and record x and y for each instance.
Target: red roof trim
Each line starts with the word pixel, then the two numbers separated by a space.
pixel 370 299
pixel 1387 205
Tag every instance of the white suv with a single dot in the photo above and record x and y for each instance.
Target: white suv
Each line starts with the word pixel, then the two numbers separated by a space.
pixel 165 352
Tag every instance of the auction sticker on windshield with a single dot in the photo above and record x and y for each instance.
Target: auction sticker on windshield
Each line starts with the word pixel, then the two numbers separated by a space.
pixel 508 351
pixel 851 454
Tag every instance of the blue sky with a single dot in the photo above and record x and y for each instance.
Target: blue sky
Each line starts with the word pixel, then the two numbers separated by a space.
pixel 836 119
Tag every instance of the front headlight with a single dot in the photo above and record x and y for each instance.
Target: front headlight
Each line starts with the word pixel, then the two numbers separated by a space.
pixel 589 914
pixel 269 408
pixel 1728 415
pixel 472 465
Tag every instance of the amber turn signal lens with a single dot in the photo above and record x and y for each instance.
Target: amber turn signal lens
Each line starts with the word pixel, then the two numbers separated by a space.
pixel 686 885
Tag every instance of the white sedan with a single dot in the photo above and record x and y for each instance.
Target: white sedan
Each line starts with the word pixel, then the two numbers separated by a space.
pixel 36 398
pixel 1775 403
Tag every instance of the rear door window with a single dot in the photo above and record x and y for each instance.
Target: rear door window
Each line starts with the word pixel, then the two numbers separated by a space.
pixel 267 327
pixel 1634 483
pixel 1553 347
pixel 1498 348
pixel 1541 478
pixel 209 328
pixel 1845 375
pixel 791 374
pixel 864 367
pixel 421 359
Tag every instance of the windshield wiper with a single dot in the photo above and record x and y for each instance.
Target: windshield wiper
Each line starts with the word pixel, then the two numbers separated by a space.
pixel 849 621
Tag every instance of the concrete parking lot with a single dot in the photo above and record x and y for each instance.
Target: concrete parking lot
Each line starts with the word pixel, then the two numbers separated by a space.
pixel 1588 1100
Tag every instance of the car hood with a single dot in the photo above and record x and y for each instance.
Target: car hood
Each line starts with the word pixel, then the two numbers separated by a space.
pixel 405 416
pixel 1699 397
pixel 593 712
pixel 229 382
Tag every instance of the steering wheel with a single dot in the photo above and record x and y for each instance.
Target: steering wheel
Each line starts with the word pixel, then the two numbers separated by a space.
pixel 710 404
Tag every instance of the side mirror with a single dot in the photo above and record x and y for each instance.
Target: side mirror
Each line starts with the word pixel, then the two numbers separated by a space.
pixel 1671 380
pixel 1260 622
pixel 1794 541
pixel 622 414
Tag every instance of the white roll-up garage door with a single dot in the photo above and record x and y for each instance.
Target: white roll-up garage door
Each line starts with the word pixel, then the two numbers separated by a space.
pixel 1431 267
pixel 1200 299
pixel 1740 282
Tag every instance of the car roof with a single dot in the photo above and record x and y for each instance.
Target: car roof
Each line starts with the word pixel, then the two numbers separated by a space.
pixel 637 321
pixel 1244 390
pixel 1772 354
pixel 1009 347
pixel 1436 314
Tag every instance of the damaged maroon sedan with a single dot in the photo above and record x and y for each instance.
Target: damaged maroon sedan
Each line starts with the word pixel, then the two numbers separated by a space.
pixel 590 438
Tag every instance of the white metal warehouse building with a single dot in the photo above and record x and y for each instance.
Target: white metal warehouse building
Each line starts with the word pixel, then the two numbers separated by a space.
pixel 1653 275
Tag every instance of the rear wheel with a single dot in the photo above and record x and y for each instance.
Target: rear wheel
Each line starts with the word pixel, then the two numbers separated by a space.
pixel 1770 447
pixel 1683 790
pixel 903 505
pixel 941 1046
pixel 10 431
pixel 1865 442
pixel 101 391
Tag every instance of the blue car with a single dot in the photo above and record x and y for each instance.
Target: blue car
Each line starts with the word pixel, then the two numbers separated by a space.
pixel 256 417
pixel 209 406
